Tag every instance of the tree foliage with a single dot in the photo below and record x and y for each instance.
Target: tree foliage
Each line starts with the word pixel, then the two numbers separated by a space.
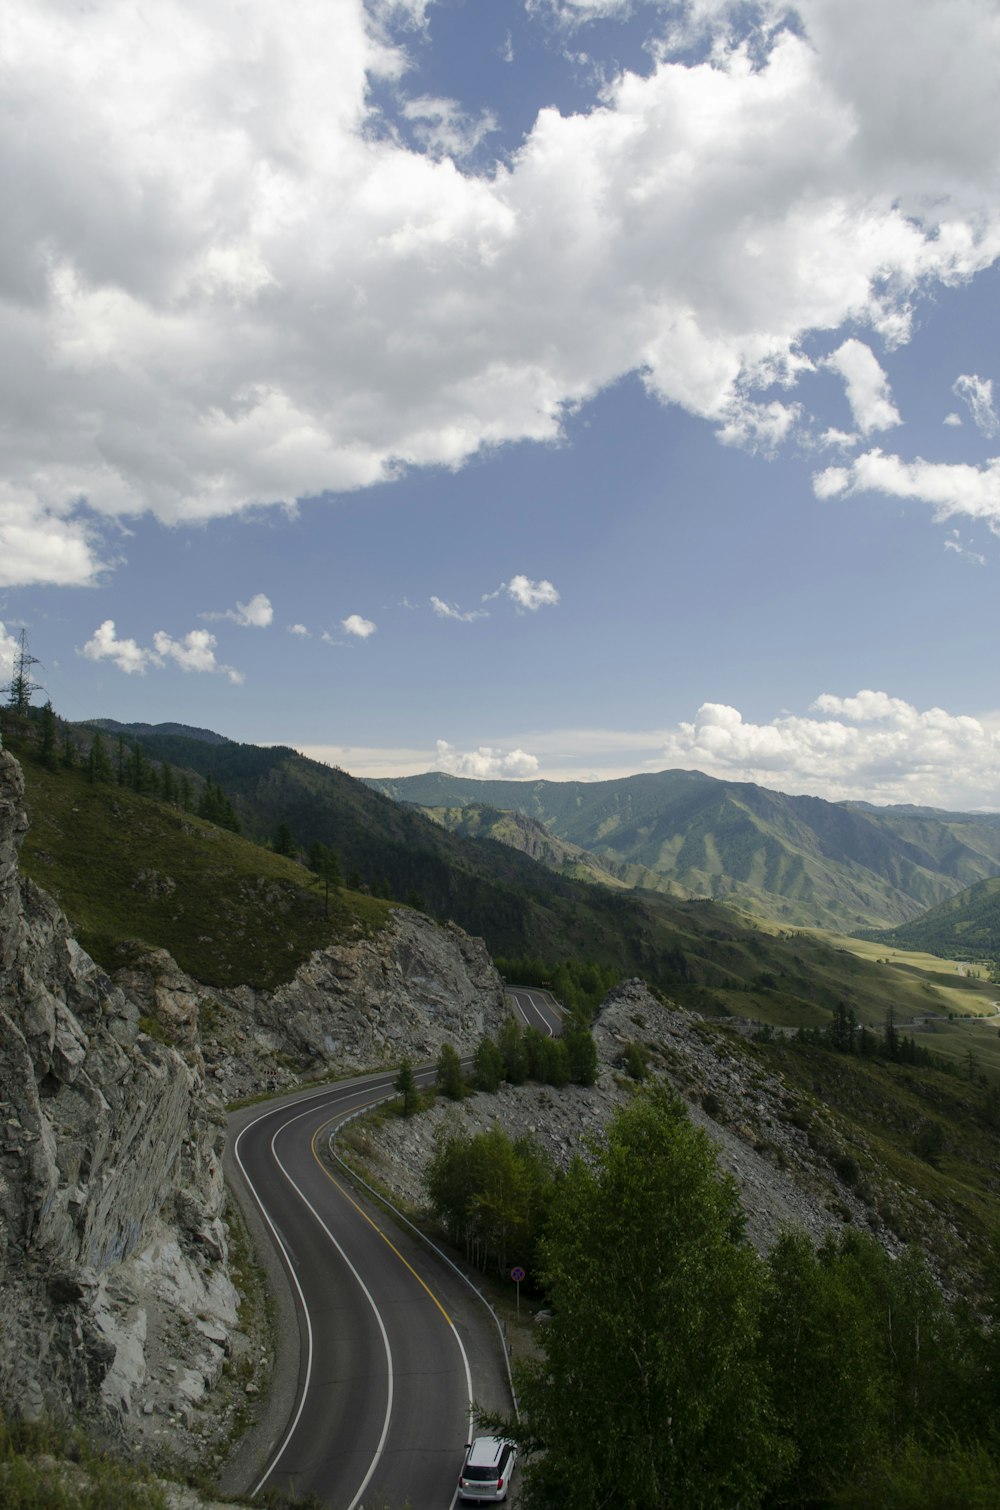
pixel 405 1086
pixel 491 1195
pixel 649 1391
pixel 450 1079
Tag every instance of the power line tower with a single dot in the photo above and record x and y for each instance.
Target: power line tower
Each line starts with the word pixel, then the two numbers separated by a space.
pixel 21 685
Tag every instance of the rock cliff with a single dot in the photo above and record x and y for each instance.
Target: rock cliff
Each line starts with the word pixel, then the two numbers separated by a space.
pixel 119 1307
pixel 366 1002
pixel 111 1194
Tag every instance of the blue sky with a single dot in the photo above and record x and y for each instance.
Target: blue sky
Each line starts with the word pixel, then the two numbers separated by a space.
pixel 550 388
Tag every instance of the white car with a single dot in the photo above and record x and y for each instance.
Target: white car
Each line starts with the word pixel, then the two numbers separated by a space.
pixel 485 1476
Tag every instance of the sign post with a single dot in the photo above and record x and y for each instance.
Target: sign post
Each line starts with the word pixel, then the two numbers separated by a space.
pixel 517 1274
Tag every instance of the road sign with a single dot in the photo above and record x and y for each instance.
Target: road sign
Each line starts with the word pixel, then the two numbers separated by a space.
pixel 517 1274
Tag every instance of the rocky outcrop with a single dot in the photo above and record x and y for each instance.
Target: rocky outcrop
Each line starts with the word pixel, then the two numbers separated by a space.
pixel 782 1152
pixel 118 1304
pixel 112 1246
pixel 404 990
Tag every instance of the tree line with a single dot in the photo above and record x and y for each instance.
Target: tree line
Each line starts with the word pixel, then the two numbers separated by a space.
pixel 679 1368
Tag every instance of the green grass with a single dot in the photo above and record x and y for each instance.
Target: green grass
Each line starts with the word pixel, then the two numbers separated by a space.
pixel 45 1467
pixel 125 867
pixel 948 1206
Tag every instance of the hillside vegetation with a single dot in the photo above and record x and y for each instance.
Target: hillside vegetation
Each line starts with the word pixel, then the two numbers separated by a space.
pixel 965 927
pixel 124 866
pixel 798 860
pixel 127 866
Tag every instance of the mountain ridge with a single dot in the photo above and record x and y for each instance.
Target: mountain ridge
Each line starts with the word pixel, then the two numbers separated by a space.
pixel 796 859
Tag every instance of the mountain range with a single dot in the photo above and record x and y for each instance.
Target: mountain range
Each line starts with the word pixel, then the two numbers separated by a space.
pixel 797 860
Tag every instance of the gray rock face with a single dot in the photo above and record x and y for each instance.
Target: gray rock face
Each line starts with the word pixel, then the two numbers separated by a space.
pixel 111 1193
pixel 756 1123
pixel 118 1307
pixel 404 991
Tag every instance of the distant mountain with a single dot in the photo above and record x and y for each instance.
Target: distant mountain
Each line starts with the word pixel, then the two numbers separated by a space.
pixel 141 731
pixel 966 926
pixel 799 860
pixel 702 953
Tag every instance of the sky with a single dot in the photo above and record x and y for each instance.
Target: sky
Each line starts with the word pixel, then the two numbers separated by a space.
pixel 525 388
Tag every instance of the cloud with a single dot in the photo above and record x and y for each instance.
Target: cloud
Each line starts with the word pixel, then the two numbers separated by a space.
pixel 225 320
pixel 41 545
pixel 842 439
pixel 256 614
pixel 445 129
pixel 104 645
pixel 978 394
pixel 531 595
pixel 870 746
pixel 975 558
pixel 9 650
pixel 298 629
pixel 485 762
pixel 356 625
pixel 448 611
pixel 949 488
pixel 953 419
pixel 867 386
pixel 195 652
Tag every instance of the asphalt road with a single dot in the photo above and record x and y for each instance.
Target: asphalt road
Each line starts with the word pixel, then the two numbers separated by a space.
pixel 536 1009
pixel 382 1347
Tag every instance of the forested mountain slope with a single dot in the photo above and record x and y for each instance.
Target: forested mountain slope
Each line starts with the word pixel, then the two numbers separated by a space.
pixel 967 926
pixel 796 859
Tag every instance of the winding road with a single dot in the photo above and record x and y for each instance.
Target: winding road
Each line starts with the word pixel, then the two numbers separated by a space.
pixel 382 1346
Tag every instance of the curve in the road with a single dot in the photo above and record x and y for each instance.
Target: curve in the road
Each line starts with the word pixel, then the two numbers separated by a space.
pixel 537 1009
pixel 416 1392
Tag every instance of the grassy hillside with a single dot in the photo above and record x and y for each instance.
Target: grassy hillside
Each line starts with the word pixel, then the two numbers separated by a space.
pixel 124 867
pixel 128 866
pixel 965 927
pixel 529 836
pixel 799 860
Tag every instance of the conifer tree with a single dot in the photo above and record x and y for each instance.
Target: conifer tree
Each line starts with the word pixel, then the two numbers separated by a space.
pixel 406 1086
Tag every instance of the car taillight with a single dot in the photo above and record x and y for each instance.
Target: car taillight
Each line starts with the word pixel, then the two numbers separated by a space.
pixel 500 1482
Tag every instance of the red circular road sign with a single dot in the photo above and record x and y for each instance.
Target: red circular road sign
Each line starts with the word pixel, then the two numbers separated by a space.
pixel 517 1273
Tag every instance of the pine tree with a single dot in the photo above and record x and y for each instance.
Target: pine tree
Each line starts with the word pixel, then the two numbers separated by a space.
pixel 488 1065
pixel 450 1080
pixel 98 764
pixel 47 748
pixel 406 1086
pixel 168 784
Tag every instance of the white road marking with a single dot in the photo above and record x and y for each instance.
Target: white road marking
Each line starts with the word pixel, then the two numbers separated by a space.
pixel 305 1309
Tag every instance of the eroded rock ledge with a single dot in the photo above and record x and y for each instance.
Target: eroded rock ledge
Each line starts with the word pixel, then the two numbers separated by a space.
pixel 119 1308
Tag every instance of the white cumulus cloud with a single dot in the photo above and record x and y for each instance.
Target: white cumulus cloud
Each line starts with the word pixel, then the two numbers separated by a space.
pixel 354 624
pixel 299 629
pixel 867 386
pixel 870 746
pixel 225 319
pixel 485 762
pixel 978 394
pixel 948 487
pixel 9 647
pixel 257 614
pixel 531 595
pixel 195 652
pixel 104 645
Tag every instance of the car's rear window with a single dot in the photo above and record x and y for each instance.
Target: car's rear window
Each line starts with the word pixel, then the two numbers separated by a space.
pixel 480 1475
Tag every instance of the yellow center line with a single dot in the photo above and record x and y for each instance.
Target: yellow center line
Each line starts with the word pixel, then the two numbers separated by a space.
pixel 374 1225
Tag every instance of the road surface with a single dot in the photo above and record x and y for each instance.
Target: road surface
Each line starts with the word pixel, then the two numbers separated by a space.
pixel 381 1347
